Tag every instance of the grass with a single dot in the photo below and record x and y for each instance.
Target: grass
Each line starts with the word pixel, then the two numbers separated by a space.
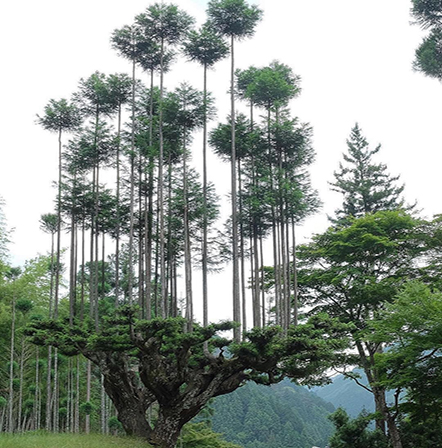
pixel 47 440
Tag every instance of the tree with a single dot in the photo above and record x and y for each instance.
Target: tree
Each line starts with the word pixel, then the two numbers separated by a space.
pixel 366 186
pixel 353 433
pixel 237 20
pixel 207 48
pixel 176 369
pixel 410 327
pixel 428 13
pixel 351 272
pixel 12 275
pixel 190 114
pixel 60 116
pixel 166 25
pixel 428 56
pixel 121 89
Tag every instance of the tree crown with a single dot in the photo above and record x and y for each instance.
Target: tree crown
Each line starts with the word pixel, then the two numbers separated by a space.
pixel 234 18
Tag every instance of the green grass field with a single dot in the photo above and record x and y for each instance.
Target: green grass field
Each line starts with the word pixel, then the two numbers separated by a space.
pixel 43 440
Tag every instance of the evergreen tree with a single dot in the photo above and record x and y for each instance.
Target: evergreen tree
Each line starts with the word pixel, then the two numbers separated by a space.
pixel 365 185
pixel 236 20
pixel 428 13
pixel 166 25
pixel 428 56
pixel 205 47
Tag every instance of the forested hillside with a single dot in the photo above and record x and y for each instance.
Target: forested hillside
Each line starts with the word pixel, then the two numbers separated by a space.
pixel 345 393
pixel 280 416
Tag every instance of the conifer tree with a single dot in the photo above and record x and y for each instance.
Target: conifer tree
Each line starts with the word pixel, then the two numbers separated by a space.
pixel 166 25
pixel 428 13
pixel 428 56
pixel 236 20
pixel 367 187
pixel 205 47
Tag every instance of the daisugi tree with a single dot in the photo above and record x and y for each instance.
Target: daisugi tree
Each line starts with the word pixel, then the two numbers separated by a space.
pixel 139 221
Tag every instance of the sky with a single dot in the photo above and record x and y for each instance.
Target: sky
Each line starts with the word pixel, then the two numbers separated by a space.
pixel 354 58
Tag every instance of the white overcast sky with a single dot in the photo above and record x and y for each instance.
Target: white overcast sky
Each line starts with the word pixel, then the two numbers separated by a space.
pixel 354 58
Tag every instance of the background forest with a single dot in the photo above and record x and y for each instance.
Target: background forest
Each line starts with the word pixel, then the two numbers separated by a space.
pixel 111 329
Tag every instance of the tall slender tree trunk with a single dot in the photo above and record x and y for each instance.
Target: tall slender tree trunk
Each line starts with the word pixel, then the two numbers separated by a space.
pixel 118 217
pixel 163 302
pixel 149 211
pixel 77 399
pixel 103 407
pixel 20 428
pixel 2 419
pixel 141 241
pixel 37 395
pixel 205 243
pixel 68 421
pixel 57 266
pixel 187 251
pixel 386 419
pixel 294 274
pixel 82 273
pixel 55 395
pixel 96 247
pixel 87 428
pixel 132 191
pixel 72 270
pixel 235 265
pixel 48 419
pixel 263 294
pixel 49 358
pixel 242 255
pixel 54 398
pixel 11 369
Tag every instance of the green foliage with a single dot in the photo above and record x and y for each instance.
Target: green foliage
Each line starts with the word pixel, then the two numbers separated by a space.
pixel 266 355
pixel 165 23
pixel 49 223
pixel 115 425
pixel 95 96
pixel 24 305
pixel 60 116
pixel 428 13
pixel 86 408
pixel 233 18
pixel 352 270
pixel 353 433
pixel 412 328
pixel 198 435
pixel 428 56
pixel 268 87
pixel 366 186
pixel 205 46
